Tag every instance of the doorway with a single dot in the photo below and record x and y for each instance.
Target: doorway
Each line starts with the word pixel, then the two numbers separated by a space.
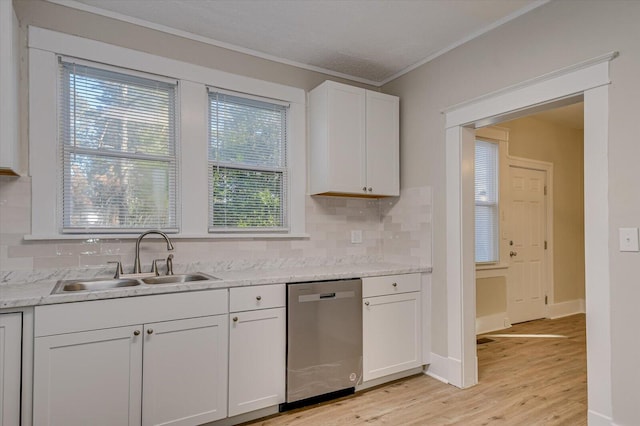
pixel 589 79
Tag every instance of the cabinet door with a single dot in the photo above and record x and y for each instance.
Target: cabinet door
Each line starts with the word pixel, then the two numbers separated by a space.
pixel 383 144
pixel 10 367
pixel 391 334
pixel 346 138
pixel 257 351
pixel 9 80
pixel 185 371
pixel 88 378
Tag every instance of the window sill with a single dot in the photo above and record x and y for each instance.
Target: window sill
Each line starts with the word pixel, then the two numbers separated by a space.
pixel 488 266
pixel 256 236
pixel 492 270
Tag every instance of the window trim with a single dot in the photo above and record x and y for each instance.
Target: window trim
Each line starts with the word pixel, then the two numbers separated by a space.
pixel 44 47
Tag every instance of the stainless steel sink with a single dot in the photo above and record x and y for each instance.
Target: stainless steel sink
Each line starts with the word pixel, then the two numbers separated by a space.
pixel 71 286
pixel 92 285
pixel 179 278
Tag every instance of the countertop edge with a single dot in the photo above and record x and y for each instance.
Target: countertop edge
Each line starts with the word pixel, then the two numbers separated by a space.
pixel 13 296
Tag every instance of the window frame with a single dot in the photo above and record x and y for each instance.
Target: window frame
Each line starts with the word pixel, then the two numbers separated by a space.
pixel 495 205
pixel 171 159
pixel 43 48
pixel 285 199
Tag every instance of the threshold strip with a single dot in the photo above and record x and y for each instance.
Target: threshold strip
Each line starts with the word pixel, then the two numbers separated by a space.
pixel 543 336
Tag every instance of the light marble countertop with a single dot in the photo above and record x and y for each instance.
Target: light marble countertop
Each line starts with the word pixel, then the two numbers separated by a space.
pixel 38 291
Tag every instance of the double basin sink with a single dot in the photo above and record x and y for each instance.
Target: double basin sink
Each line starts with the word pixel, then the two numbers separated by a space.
pixel 70 286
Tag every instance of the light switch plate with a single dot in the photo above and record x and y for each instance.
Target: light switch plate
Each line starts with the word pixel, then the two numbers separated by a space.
pixel 629 239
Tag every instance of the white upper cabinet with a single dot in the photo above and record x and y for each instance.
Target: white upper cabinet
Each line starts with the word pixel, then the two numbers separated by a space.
pixel 9 77
pixel 354 141
pixel 382 134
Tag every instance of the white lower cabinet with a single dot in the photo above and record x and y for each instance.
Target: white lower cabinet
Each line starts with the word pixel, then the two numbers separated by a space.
pixel 10 368
pixel 152 373
pixel 257 348
pixel 391 340
pixel 88 378
pixel 185 371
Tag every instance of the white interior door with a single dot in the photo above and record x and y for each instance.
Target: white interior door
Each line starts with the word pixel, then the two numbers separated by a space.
pixel 526 283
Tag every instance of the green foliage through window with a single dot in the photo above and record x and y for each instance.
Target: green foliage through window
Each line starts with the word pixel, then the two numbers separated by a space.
pixel 247 157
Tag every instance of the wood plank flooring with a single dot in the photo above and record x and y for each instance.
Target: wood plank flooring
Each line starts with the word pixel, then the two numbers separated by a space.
pixel 523 381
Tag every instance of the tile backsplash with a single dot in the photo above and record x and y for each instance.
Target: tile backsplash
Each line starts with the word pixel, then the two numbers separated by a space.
pixel 394 229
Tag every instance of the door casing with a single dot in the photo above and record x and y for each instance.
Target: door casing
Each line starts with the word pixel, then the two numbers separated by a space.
pixel 589 79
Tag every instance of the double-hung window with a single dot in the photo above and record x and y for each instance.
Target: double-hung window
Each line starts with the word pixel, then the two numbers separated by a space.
pixel 118 158
pixel 248 173
pixel 486 201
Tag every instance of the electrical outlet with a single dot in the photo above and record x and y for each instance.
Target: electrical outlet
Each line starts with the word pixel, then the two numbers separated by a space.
pixel 356 237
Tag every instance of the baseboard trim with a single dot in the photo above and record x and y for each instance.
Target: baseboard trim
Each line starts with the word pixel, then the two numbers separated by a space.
pixel 564 309
pixel 492 322
pixel 597 419
pixel 439 368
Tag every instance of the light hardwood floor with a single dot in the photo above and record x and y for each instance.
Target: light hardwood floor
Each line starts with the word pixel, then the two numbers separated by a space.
pixel 523 381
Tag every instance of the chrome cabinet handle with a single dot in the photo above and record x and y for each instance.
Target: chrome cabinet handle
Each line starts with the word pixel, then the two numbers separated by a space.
pixel 366 303
pixel 150 331
pixel 370 189
pixel 364 188
pixel 258 298
pixel 395 284
pixel 513 253
pixel 136 333
pixel 235 319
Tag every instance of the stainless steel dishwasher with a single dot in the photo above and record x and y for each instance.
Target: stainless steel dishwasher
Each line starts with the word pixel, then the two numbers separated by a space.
pixel 324 339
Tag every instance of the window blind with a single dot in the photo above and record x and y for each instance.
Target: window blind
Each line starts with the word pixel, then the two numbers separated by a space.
pixel 486 201
pixel 118 151
pixel 248 182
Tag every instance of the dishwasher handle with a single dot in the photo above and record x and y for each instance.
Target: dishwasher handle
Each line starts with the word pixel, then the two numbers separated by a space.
pixel 328 296
pixel 318 297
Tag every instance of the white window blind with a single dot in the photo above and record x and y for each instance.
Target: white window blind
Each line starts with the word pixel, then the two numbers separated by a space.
pixel 486 202
pixel 118 150
pixel 248 175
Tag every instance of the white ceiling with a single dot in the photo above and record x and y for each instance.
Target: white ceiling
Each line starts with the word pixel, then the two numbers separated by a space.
pixel 371 41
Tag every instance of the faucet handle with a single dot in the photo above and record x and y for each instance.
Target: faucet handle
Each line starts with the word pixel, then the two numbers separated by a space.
pixel 170 264
pixel 154 266
pixel 118 268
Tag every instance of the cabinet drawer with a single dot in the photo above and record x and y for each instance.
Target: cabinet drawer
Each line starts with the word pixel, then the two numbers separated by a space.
pixel 390 284
pixel 257 297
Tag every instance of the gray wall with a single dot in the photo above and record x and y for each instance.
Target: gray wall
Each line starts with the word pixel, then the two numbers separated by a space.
pixel 556 35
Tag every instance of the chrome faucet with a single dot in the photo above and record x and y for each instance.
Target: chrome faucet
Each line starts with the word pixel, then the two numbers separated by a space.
pixel 136 263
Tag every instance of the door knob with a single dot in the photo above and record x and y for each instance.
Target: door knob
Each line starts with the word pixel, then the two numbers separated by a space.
pixel 513 253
